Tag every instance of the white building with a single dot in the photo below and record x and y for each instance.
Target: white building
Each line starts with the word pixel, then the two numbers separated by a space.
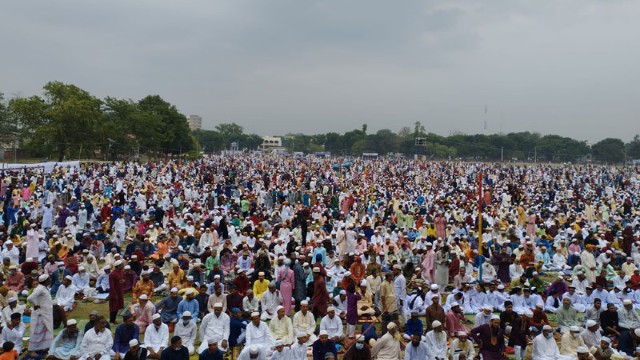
pixel 195 122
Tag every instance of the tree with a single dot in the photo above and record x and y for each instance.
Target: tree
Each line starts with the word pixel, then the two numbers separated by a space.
pixel 609 150
pixel 64 120
pixel 633 148
pixel 177 138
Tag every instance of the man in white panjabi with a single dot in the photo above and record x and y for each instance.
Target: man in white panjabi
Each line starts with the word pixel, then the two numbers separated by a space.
pixel 215 326
pixel 258 333
pixel 186 328
pixel 156 337
pixel 388 346
pixel 97 342
pixel 41 336
pixel 304 321
pixel 545 346
pixel 281 327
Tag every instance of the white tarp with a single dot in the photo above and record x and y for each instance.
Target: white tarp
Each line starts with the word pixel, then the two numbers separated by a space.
pixel 47 166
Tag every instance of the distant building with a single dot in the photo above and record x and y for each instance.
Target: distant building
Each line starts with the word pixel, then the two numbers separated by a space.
pixel 195 122
pixel 272 144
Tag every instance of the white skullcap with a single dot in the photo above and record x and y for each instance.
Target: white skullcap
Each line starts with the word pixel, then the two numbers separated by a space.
pixel 186 313
pixel 155 317
pixel 174 289
pixel 143 297
pixel 436 323
pixel 331 308
pixel 323 332
pixel 363 283
pixel 343 292
pixel 434 287
pixel 454 304
pixel 582 350
pixel 71 322
pixel 253 350
pixel 278 343
pixel 133 342
pixel 574 328
pixel 43 278
pixel 547 327
pixel 219 305
pixel 279 307
pixel 69 277
pixel 495 317
pixel 590 323
pixel 627 302
pixel 12 299
pixel 301 334
pixel 255 313
pixel 304 302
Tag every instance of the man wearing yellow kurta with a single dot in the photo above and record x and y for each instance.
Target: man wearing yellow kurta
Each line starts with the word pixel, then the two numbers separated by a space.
pixel 261 285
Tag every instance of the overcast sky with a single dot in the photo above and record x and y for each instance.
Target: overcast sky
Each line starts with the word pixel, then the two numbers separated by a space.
pixel 567 67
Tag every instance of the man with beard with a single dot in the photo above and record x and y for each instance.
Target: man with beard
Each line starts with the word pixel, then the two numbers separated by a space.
pixel 67 343
pixel 436 340
pixel 417 350
pixel 490 337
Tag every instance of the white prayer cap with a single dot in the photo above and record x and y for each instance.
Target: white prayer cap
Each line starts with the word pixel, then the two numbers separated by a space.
pixel 280 307
pixel 574 329
pixel 127 267
pixel 604 338
pixel 155 316
pixel 391 326
pixel 253 350
pixel 215 277
pixel 528 313
pixel 12 299
pixel 454 304
pixel 174 289
pixel 331 308
pixel 363 283
pixel 133 342
pixel 190 291
pixel 317 270
pixel 43 278
pixel 495 317
pixel 71 322
pixel 279 343
pixel 186 314
pixel 500 287
pixel 582 350
pixel 190 278
pixel 434 287
pixel 627 302
pixel 304 302
pixel 219 305
pixel 343 292
pixel 261 273
pixel 211 341
pixel 143 297
pixel 436 323
pixel 360 338
pixel 637 331
pixel 323 332
pixel 590 323
pixel 301 334
pixel 68 277
pixel 255 313
pixel 547 327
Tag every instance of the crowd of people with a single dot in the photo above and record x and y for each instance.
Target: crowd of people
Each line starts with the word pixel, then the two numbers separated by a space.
pixel 265 257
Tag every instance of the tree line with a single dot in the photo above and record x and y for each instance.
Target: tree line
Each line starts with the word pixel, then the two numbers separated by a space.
pixel 67 122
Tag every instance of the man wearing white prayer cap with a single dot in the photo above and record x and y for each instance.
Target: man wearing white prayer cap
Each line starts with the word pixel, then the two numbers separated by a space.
pixel 298 350
pixel 281 326
pixel 258 333
pixel 215 326
pixel 571 341
pixel 41 328
pixel 156 336
pixel 333 325
pixel 545 346
pixel 304 321
pixel 591 335
pixel 388 346
pixel 254 352
pixel 186 329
